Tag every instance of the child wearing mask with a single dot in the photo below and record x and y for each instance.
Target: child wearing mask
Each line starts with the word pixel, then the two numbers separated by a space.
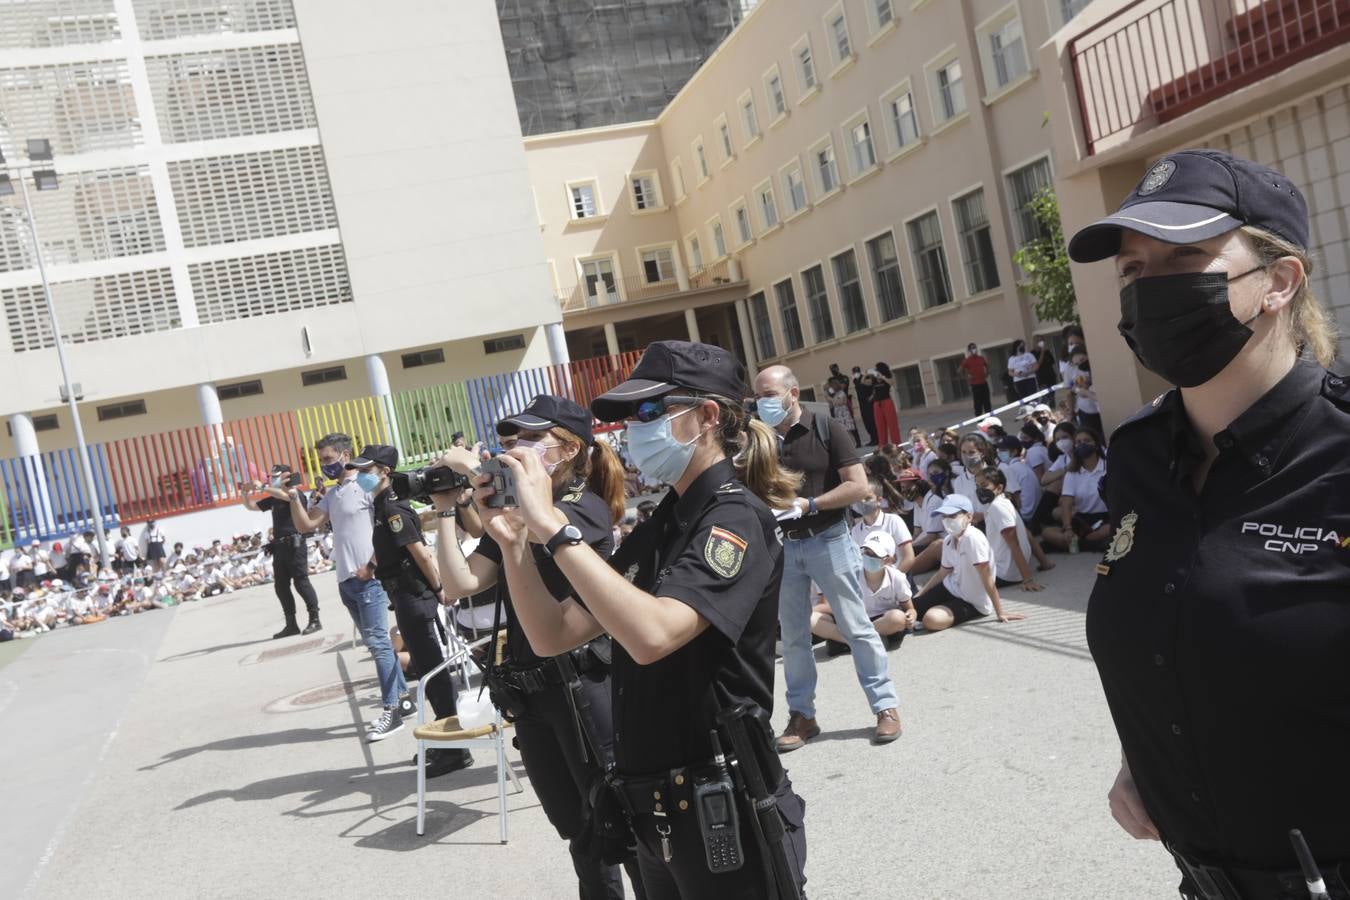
pixel 1024 488
pixel 1033 448
pixel 886 595
pixel 870 517
pixel 1009 543
pixel 1081 519
pixel 963 588
pixel 977 453
pixel 1084 397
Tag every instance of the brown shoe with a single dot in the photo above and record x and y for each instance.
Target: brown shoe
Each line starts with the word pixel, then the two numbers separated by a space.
pixel 888 726
pixel 799 730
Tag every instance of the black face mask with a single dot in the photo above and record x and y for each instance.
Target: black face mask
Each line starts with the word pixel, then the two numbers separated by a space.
pixel 984 495
pixel 1181 326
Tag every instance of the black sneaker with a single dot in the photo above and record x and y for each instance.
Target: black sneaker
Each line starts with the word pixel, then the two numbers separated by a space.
pixel 290 629
pixel 388 723
pixel 407 706
pixel 443 762
pixel 313 626
pixel 835 648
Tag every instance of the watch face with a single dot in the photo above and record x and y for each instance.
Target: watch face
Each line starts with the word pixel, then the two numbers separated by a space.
pixel 572 533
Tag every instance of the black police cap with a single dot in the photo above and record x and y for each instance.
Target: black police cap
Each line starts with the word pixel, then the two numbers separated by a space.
pixel 669 366
pixel 372 454
pixel 1195 195
pixel 545 412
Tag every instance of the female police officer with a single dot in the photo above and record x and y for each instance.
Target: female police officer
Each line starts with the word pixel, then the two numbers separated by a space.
pixel 566 739
pixel 693 630
pixel 1220 620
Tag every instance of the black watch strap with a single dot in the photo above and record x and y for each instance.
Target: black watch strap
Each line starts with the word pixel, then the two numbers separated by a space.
pixel 568 534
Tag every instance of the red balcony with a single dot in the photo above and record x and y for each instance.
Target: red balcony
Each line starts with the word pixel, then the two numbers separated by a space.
pixel 1156 60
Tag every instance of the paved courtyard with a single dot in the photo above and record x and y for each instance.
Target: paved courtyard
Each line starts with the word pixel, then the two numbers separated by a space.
pixel 182 754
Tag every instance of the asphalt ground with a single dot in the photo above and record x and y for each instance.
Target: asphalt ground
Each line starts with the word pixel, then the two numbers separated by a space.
pixel 174 754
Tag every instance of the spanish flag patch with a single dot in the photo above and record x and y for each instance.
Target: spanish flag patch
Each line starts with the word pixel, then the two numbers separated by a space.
pixel 724 552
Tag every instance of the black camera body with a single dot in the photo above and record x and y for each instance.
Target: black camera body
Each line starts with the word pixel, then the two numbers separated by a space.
pixel 503 484
pixel 420 484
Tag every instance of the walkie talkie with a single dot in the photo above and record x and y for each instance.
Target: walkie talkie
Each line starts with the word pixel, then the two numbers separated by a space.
pixel 715 800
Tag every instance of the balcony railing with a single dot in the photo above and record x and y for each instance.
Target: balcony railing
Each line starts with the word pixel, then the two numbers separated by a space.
pixel 605 291
pixel 1156 60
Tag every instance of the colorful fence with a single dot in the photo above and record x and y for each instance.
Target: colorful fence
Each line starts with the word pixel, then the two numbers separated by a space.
pixel 205 466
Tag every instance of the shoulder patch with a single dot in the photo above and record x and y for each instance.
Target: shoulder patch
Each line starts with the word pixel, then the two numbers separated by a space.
pixel 724 552
pixel 730 487
pixel 396 523
pixel 570 497
pixel 1336 388
pixel 1158 405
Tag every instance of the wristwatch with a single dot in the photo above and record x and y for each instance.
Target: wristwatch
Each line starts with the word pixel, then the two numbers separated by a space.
pixel 465 505
pixel 568 534
pixel 445 514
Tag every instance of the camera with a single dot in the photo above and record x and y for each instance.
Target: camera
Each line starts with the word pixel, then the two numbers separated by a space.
pixel 503 484
pixel 420 484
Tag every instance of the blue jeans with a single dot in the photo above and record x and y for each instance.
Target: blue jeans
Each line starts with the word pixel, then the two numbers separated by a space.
pixel 369 606
pixel 833 561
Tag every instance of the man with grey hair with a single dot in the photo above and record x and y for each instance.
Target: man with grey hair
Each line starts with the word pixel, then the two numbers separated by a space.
pixel 348 509
pixel 817 547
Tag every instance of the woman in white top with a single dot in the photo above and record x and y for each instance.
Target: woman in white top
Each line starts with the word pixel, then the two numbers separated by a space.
pixel 1009 542
pixel 1034 450
pixel 1022 368
pixel 929 495
pixel 964 588
pixel 1082 511
pixel 977 452
pixel 870 517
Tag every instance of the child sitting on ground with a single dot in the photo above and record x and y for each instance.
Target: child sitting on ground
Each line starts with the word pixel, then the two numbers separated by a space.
pixel 886 596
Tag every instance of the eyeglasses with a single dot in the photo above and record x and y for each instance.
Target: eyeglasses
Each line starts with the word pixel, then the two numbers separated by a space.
pixel 651 410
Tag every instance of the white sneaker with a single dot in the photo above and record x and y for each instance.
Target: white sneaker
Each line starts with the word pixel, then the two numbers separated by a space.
pixel 388 723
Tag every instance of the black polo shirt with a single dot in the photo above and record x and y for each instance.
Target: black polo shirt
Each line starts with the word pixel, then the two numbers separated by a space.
pixel 589 513
pixel 1220 623
pixel 716 549
pixel 283 526
pixel 396 526
pixel 802 449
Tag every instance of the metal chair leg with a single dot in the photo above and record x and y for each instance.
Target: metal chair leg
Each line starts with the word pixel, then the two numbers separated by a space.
pixel 421 787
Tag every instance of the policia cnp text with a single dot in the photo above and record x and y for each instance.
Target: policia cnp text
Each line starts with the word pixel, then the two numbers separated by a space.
pixel 692 626
pixel 560 705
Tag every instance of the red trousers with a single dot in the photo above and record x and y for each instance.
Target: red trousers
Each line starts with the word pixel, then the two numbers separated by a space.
pixel 888 425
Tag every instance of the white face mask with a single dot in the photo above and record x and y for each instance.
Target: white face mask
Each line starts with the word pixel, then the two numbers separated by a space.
pixel 1065 445
pixel 955 525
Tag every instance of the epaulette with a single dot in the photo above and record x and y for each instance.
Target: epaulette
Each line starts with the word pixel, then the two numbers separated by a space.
pixel 571 497
pixel 1158 405
pixel 1336 388
pixel 731 487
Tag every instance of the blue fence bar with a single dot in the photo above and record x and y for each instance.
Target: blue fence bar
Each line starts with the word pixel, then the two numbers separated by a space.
pixel 45 496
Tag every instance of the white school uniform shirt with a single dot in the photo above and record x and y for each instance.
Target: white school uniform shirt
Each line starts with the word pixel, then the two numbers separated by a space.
pixel 931 520
pixel 1023 366
pixel 1083 487
pixel 928 457
pixel 1023 480
pixel 1037 455
pixel 1001 515
pixel 965 484
pixel 962 555
pixel 41 563
pixel 893 593
pixel 887 522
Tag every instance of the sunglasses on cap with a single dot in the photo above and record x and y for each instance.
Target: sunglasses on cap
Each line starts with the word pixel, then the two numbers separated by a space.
pixel 651 410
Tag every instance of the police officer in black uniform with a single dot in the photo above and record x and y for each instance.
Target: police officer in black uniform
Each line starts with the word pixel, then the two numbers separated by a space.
pixel 406 569
pixel 290 559
pixel 560 705
pixel 692 622
pixel 1220 619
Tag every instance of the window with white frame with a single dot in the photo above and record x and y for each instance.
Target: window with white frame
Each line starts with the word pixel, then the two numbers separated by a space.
pixel 787 312
pixel 825 168
pixel 658 264
pixel 836 29
pixel 741 214
pixel 862 154
pixel 646 190
pixel 883 14
pixel 950 95
pixel 719 238
pixel 724 132
pixel 1004 49
pixel 806 66
pixel 794 186
pixel 677 176
pixel 768 206
pixel 1064 10
pixel 585 204
pixel 1023 186
pixel 851 303
pixel 701 158
pixel 749 118
pixel 773 88
pixel 930 260
pixel 818 304
pixel 761 326
pixel 598 277
pixel 885 266
pixel 695 251
pixel 902 120
pixel 977 243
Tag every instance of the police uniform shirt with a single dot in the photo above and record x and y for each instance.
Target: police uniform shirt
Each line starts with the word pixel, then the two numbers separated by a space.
pixel 282 524
pixel 396 526
pixel 717 550
pixel 1220 623
pixel 589 513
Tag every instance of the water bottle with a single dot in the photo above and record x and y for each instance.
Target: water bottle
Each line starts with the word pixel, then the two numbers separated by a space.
pixel 1073 544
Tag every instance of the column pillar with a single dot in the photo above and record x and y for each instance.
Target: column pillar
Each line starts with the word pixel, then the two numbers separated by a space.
pixel 43 521
pixel 209 402
pixel 681 273
pixel 557 344
pixel 612 339
pixel 734 268
pixel 747 337
pixel 378 376
pixel 691 322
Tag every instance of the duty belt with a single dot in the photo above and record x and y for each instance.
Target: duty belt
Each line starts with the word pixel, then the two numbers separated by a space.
pixel 547 674
pixel 1206 881
pixel 667 792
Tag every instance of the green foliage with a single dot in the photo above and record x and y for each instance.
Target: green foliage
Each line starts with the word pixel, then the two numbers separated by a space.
pixel 1045 260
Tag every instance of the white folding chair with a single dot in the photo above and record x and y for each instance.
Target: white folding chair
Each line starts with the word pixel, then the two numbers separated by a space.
pixel 447 734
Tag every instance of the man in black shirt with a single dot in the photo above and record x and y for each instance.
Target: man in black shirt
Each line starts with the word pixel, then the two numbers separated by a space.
pixel 817 547
pixel 290 561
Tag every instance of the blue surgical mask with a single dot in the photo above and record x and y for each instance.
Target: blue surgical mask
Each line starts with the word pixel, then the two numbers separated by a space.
pixel 872 564
pixel 332 470
pixel 1005 456
pixel 368 482
pixel 771 411
pixel 656 452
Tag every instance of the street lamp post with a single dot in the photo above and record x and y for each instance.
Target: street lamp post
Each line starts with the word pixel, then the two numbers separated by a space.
pixel 45 179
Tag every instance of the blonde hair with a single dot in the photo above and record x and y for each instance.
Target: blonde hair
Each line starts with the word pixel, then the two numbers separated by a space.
pixel 1308 323
pixel 753 449
pixel 601 469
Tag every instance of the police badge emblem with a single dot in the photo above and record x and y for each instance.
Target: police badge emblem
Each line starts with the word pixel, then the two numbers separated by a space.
pixel 1158 176
pixel 396 523
pixel 1121 544
pixel 724 552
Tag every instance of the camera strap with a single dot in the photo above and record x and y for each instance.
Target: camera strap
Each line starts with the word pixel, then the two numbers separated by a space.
pixel 491 658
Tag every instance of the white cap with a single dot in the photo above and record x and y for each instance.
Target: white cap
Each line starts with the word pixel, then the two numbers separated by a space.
pixel 990 420
pixel 880 543
pixel 1040 407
